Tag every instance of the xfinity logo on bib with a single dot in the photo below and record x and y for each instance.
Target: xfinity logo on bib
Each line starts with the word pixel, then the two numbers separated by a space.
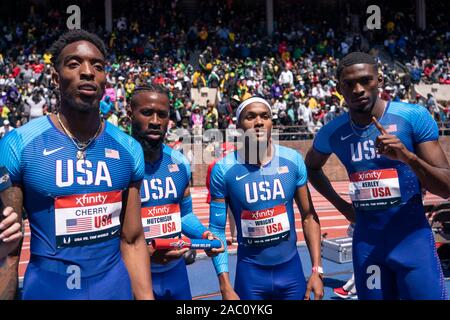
pixel 157 210
pixel 370 175
pixel 262 214
pixel 87 200
pixel 363 151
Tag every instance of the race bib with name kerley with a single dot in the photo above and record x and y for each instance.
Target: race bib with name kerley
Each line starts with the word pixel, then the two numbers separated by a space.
pixel 265 227
pixel 87 218
pixel 375 189
pixel 161 221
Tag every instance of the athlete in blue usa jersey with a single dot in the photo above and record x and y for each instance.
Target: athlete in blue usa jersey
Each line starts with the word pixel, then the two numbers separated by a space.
pixel 166 201
pixel 390 151
pixel 79 181
pixel 260 193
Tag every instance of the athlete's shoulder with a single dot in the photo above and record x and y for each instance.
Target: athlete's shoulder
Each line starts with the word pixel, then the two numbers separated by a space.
pixel 287 153
pixel 23 135
pixel 121 137
pixel 175 155
pixel 323 141
pixel 336 123
pixel 408 111
pixel 294 161
pixel 223 165
pixel 229 159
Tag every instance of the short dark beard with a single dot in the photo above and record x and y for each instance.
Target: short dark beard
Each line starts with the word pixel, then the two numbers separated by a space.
pixel 84 107
pixel 149 146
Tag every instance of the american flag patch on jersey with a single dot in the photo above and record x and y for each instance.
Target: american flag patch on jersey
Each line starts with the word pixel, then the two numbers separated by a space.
pixel 111 153
pixel 173 167
pixel 283 169
pixel 391 128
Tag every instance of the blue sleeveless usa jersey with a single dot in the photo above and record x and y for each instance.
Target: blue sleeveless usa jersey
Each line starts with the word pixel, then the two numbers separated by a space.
pixel 261 200
pixel 73 205
pixel 162 192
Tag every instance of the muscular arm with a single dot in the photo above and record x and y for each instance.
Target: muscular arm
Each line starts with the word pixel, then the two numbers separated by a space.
pixel 217 223
pixel 193 228
pixel 133 246
pixel 431 167
pixel 310 223
pixel 191 225
pixel 9 267
pixel 311 230
pixel 314 162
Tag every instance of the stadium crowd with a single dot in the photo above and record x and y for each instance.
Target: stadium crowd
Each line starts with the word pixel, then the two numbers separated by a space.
pixel 225 48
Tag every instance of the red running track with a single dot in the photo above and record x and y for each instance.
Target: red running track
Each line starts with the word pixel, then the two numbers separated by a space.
pixel 331 221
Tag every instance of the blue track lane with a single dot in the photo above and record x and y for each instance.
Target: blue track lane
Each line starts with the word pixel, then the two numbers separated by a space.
pixel 204 283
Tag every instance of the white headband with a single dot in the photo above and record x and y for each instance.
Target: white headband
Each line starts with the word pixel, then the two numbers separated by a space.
pixel 249 101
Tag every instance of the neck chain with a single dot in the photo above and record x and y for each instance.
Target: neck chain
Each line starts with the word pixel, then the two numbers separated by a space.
pixel 356 128
pixel 81 146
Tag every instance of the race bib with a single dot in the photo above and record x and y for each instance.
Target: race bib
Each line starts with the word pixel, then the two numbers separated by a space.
pixel 265 227
pixel 375 189
pixel 87 218
pixel 161 221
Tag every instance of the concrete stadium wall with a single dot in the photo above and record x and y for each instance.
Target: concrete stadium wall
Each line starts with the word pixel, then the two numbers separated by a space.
pixel 333 169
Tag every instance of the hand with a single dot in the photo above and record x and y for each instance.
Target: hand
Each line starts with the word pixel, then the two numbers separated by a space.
pixel 315 284
pixel 348 211
pixel 165 256
pixel 229 294
pixel 215 251
pixel 11 232
pixel 391 147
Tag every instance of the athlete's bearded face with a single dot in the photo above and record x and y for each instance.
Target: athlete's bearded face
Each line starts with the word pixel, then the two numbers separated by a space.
pixel 150 118
pixel 80 76
pixel 359 85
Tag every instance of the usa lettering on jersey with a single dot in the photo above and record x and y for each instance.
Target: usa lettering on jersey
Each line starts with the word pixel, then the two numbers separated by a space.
pixel 86 172
pixel 363 150
pixel 264 191
pixel 157 189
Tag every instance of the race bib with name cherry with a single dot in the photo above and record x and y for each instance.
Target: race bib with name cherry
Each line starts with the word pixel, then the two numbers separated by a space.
pixel 87 218
pixel 265 227
pixel 161 221
pixel 375 189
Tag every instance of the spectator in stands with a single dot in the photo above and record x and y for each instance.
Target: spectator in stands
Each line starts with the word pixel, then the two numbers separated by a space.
pixel 5 129
pixel 36 103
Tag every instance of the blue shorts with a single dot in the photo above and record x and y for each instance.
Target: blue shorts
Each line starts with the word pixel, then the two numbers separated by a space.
pixel 285 281
pixel 41 284
pixel 172 284
pixel 398 261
